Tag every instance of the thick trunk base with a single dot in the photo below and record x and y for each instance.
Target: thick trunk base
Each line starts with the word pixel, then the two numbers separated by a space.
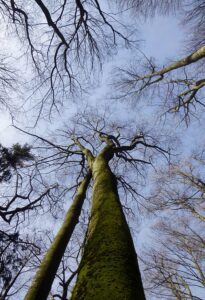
pixel 109 267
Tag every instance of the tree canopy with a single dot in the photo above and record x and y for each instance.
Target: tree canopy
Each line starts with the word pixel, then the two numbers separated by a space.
pixel 102 182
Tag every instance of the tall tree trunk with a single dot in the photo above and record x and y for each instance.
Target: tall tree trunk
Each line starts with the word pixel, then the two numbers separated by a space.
pixel 109 267
pixel 43 280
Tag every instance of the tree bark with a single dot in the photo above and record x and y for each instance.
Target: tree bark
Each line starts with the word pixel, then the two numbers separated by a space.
pixel 109 267
pixel 43 280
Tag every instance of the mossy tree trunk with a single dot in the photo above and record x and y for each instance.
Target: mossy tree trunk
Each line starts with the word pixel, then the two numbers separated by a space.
pixel 43 280
pixel 109 267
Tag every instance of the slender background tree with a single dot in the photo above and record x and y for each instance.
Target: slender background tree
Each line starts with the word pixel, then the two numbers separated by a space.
pixel 174 264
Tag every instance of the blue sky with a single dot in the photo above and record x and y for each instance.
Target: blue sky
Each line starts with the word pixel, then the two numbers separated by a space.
pixel 162 38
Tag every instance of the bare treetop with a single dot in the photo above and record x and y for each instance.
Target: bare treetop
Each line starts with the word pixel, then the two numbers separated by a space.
pixel 179 85
pixel 65 40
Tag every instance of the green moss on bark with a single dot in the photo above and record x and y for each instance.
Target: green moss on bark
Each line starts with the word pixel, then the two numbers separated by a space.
pixel 43 280
pixel 109 268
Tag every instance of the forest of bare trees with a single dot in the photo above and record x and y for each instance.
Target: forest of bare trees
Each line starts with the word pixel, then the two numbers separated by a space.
pixel 102 175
